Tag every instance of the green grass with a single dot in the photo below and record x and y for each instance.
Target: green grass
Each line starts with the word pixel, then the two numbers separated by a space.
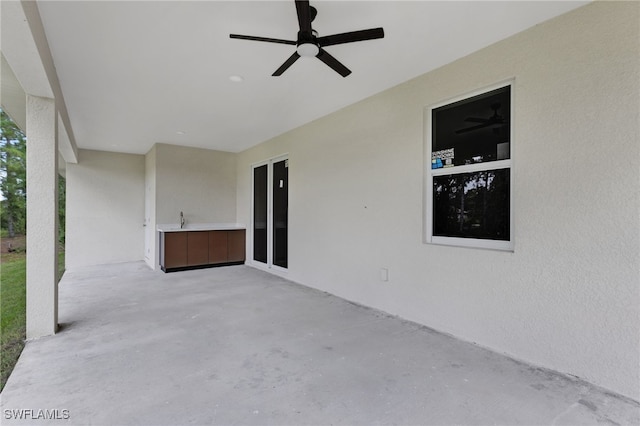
pixel 13 301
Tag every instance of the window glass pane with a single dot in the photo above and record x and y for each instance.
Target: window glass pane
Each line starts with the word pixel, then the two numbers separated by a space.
pixel 472 205
pixel 473 130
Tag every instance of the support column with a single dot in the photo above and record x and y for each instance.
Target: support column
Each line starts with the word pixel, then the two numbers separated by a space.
pixel 42 217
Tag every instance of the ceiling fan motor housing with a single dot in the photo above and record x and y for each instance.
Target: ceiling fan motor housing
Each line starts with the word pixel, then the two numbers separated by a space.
pixel 307 45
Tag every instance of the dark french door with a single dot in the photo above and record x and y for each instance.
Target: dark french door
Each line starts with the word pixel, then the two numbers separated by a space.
pixel 260 209
pixel 270 212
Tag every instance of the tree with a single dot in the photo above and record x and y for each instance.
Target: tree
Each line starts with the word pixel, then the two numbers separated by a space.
pixel 13 175
pixel 62 208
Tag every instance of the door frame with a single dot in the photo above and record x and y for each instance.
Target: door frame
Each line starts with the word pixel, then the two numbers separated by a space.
pixel 269 266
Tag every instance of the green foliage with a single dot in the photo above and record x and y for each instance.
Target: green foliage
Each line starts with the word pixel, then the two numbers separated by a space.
pixel 13 302
pixel 12 314
pixel 13 176
pixel 62 208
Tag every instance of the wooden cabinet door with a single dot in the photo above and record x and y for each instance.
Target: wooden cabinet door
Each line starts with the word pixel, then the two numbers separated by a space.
pixel 175 249
pixel 197 248
pixel 236 245
pixel 217 246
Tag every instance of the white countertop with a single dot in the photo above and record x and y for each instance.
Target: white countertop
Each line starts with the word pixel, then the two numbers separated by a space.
pixel 175 227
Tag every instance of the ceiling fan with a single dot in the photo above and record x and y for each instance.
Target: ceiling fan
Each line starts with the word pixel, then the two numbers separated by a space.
pixel 309 44
pixel 495 120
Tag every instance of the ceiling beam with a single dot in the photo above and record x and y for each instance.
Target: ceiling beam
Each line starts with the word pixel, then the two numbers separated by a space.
pixel 12 96
pixel 26 50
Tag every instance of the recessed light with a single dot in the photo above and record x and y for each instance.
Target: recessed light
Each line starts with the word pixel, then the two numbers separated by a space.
pixel 236 78
pixel 181 132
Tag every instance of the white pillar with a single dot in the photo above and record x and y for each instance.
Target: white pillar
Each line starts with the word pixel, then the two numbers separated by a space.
pixel 42 217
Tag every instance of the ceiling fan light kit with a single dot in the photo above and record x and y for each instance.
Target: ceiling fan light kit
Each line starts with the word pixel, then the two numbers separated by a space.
pixel 308 44
pixel 309 50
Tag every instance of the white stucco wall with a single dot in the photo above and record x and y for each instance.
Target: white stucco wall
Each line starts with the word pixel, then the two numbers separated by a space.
pixel 105 209
pixel 150 240
pixel 42 217
pixel 199 182
pixel 568 297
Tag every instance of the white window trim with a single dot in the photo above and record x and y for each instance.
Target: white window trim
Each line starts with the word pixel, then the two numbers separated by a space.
pixel 429 173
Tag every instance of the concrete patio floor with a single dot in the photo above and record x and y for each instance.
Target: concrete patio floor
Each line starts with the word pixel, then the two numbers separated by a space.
pixel 237 346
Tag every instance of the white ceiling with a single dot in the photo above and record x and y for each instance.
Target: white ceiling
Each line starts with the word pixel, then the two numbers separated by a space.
pixel 137 73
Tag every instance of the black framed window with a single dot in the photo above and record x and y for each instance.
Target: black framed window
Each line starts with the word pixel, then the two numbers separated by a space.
pixel 469 171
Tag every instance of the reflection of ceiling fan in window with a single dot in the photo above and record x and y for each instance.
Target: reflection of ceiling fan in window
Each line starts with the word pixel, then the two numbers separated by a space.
pixel 496 121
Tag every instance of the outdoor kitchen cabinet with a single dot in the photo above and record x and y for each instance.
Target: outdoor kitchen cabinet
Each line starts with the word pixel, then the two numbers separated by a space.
pixel 236 245
pixel 191 249
pixel 227 246
pixel 218 241
pixel 197 248
pixel 174 250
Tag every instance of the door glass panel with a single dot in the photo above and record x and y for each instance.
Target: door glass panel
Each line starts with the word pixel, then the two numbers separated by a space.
pixel 260 214
pixel 280 212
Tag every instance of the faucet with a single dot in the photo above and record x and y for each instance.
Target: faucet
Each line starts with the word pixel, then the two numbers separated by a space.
pixel 181 220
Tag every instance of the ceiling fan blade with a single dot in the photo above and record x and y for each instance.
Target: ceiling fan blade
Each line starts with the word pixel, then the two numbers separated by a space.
pixel 269 40
pixel 350 37
pixel 472 128
pixel 304 15
pixel 333 63
pixel 286 64
pixel 476 120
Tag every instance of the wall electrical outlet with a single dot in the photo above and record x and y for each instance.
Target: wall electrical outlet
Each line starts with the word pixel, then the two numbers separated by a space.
pixel 384 274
